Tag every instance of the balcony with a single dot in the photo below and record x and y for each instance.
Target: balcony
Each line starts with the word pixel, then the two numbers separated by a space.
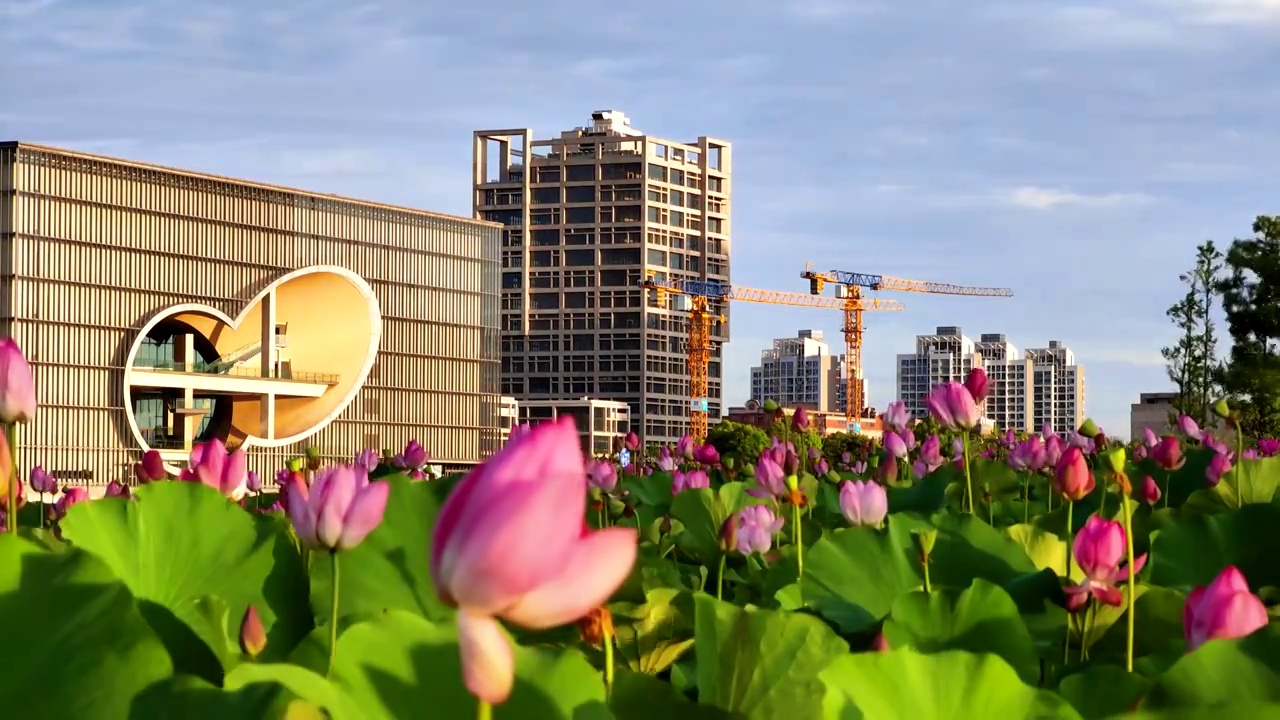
pixel 207 377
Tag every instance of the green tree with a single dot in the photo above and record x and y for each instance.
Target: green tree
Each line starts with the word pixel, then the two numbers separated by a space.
pixel 1192 362
pixel 739 441
pixel 1250 291
pixel 856 444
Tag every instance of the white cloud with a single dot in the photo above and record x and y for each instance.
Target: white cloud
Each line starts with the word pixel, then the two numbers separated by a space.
pixel 1040 198
pixel 1233 12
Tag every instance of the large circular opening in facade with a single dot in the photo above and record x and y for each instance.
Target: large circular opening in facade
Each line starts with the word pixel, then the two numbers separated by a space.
pixel 163 415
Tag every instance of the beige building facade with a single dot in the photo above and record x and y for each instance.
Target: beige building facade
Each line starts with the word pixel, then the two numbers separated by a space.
pixel 1028 390
pixel 800 370
pixel 585 216
pixel 160 308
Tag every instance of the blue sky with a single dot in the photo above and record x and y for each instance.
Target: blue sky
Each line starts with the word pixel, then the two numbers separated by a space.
pixel 1075 152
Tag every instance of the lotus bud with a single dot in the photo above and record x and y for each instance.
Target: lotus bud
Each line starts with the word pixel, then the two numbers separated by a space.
pixel 791 465
pixel 770 406
pixel 976 383
pixel 294 464
pixel 729 534
pixel 728 463
pixel 253 637
pixel 313 453
pixel 1089 429
pixel 800 420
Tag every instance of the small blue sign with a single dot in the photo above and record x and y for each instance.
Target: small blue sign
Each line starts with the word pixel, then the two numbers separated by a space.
pixel 855 428
pixel 624 458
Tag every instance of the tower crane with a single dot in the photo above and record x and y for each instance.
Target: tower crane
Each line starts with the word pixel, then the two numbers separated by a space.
pixel 695 296
pixel 849 287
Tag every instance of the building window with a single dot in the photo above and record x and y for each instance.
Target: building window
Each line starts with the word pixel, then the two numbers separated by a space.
pixel 580 173
pixel 546 195
pixel 580 216
pixel 580 194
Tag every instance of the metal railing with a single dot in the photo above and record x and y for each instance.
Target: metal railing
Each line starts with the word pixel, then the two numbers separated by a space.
pixel 204 368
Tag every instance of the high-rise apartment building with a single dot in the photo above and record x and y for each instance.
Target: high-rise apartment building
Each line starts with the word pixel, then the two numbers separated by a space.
pixel 1058 388
pixel 586 216
pixel 800 371
pixel 1041 386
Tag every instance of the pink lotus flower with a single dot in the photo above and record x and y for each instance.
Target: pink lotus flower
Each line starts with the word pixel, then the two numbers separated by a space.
pixel 860 467
pixel 484 563
pixel 666 462
pixel 1168 453
pixel 1223 610
pixel 118 489
pixel 211 464
pixel 800 420
pixel 253 636
pixel 953 407
pixel 930 457
pixel 1072 476
pixel 691 480
pixel 1053 449
pixel 1189 428
pixel 1028 455
pixel 771 481
pixel 17 388
pixel 896 416
pixel 339 509
pixel 603 476
pixel 977 385
pixel 369 459
pixel 1268 447
pixel 70 496
pixel 631 441
pixel 894 445
pixel 707 455
pixel 1150 491
pixel 42 482
pixel 756 526
pixel 1219 465
pixel 863 503
pixel 151 468
pixel 1100 551
pixel 1149 437
pixel 685 446
pixel 413 457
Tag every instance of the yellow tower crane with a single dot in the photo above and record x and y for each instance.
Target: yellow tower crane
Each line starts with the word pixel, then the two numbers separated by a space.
pixel 849 286
pixel 695 296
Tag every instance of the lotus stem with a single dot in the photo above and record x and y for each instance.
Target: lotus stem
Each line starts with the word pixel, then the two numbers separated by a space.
pixel 607 637
pixel 1131 581
pixel 968 477
pixel 924 567
pixel 333 618
pixel 11 510
pixel 719 581
pixel 1066 643
pixel 798 540
pixel 484 711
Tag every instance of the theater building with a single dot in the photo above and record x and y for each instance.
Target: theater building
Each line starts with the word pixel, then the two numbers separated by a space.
pixel 160 308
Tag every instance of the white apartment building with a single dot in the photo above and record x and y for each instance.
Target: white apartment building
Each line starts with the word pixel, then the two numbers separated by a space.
pixel 1058 388
pixel 1043 385
pixel 800 371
